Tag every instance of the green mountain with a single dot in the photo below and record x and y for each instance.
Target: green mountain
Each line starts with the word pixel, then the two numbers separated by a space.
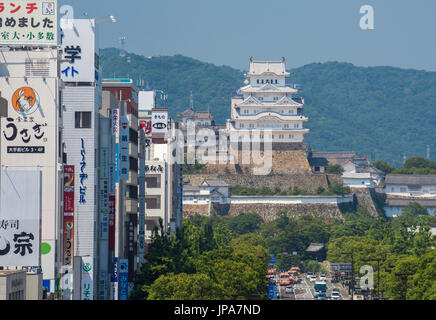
pixel 384 112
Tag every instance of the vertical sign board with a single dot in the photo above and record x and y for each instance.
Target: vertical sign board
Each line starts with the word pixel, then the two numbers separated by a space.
pixel 111 222
pixel 29 22
pixel 132 248
pixel 68 226
pixel 20 219
pixel 159 124
pixel 87 271
pixel 115 133
pixel 79 49
pixel 124 160
pixel 123 281
pixel 114 280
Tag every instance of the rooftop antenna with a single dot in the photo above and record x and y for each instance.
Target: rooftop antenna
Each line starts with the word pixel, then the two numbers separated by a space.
pixel 122 43
pixel 428 152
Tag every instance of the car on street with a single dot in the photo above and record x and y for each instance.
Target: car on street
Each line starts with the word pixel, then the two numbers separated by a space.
pixel 321 296
pixel 310 275
pixel 335 296
pixel 289 289
pixel 323 277
pixel 312 278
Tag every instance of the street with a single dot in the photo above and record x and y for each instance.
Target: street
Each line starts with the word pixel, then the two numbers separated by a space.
pixel 305 290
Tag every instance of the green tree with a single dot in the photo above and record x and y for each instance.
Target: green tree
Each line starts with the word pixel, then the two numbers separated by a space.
pixel 187 287
pixel 222 235
pixel 245 223
pixel 334 169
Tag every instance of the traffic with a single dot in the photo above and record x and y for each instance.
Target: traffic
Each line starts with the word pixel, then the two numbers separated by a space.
pixel 295 285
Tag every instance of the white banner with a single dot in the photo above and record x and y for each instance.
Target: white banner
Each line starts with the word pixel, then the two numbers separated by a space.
pixel 29 22
pixel 20 217
pixel 87 287
pixel 80 49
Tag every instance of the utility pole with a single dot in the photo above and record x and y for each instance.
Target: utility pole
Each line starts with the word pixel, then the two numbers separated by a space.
pixel 352 271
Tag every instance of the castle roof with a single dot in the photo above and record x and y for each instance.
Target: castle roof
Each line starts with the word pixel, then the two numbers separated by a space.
pixel 407 179
pixel 268 67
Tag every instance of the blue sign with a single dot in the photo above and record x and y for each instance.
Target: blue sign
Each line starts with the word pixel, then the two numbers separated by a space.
pixel 273 260
pixel 123 282
pixel 114 277
pixel 117 163
pixel 271 292
pixel 46 285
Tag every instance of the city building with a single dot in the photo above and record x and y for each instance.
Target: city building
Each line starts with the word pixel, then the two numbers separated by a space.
pixel 163 171
pixel 126 92
pixel 200 118
pixel 81 104
pixel 12 285
pixel 32 153
pixel 402 190
pixel 349 161
pixel 267 103
pixel 358 180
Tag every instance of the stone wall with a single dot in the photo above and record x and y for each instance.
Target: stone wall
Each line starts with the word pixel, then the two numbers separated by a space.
pixel 282 162
pixel 285 182
pixel 192 210
pixel 367 199
pixel 269 212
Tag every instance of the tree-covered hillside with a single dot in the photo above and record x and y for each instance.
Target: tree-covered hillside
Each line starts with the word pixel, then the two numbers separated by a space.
pixel 383 111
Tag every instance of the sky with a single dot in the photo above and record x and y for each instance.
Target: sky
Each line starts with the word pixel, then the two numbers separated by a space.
pixel 229 32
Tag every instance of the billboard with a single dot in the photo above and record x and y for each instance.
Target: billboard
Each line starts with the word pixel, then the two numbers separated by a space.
pixel 25 22
pixel 79 49
pixel 87 270
pixel 123 279
pixel 68 224
pixel 20 219
pixel 159 123
pixel 111 222
pixel 124 160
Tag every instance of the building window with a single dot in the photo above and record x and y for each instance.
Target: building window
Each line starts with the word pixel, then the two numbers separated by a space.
pixel 258 81
pixel 83 120
pixel 133 164
pixel 152 203
pixel 277 81
pixel 153 182
pixel 132 192
pixel 133 136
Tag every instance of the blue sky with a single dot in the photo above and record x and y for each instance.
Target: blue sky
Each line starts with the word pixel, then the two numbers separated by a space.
pixel 228 32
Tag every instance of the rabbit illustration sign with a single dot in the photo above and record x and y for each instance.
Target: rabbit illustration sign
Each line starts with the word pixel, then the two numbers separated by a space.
pixel 25 101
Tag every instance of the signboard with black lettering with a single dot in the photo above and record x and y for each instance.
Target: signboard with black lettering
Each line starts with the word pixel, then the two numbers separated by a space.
pixel 29 22
pixel 20 217
pixel 124 159
pixel 159 124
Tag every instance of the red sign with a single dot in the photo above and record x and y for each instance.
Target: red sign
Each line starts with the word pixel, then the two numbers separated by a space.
pixel 68 225
pixel 111 222
pixel 68 191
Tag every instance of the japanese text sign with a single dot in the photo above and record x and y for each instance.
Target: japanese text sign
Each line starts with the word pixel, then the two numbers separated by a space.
pixel 24 22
